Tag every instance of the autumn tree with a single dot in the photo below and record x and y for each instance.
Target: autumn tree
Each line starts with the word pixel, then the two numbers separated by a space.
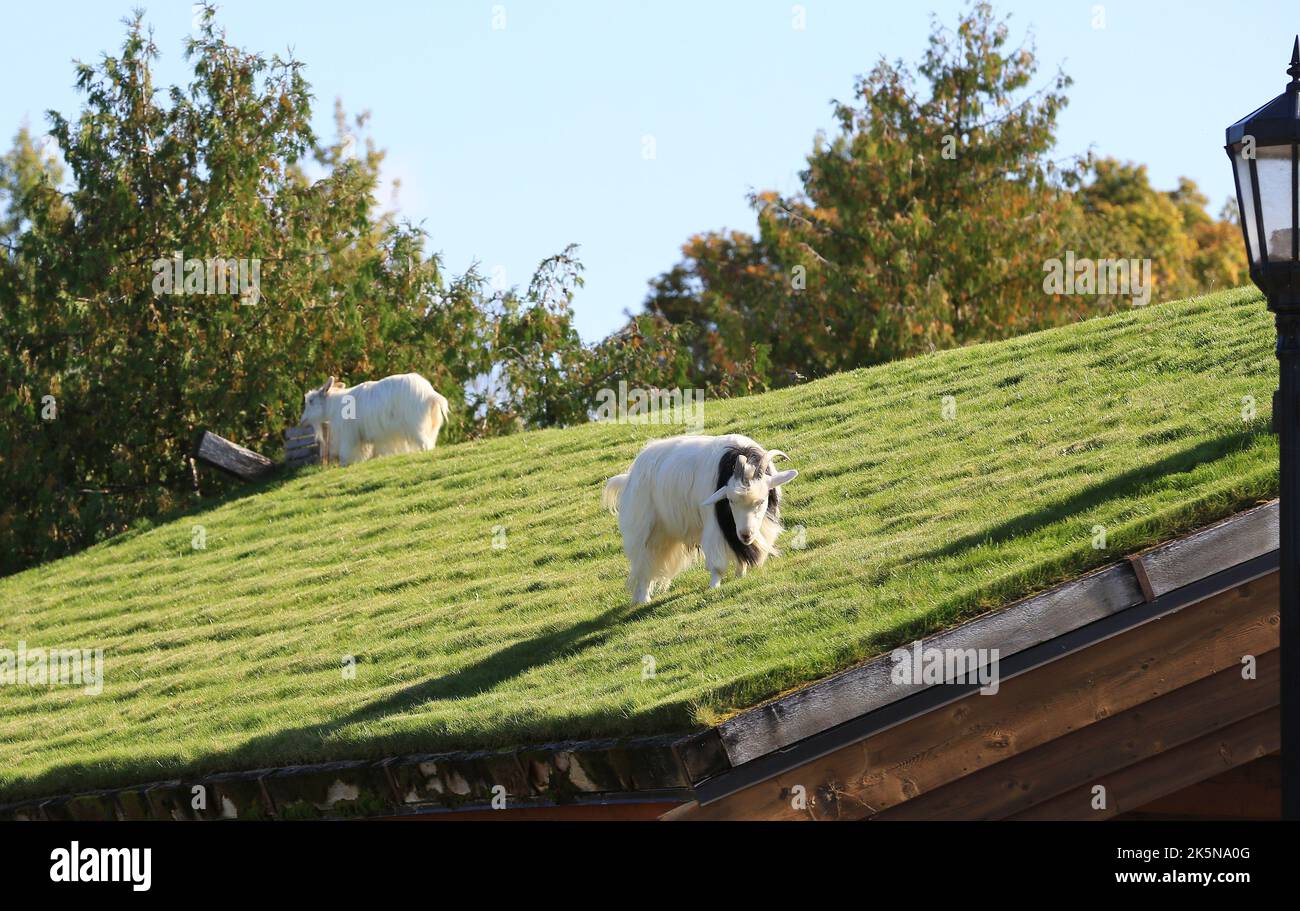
pixel 922 222
pixel 1120 215
pixel 926 219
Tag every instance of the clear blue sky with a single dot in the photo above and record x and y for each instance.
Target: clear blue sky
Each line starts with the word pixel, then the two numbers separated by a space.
pixel 511 143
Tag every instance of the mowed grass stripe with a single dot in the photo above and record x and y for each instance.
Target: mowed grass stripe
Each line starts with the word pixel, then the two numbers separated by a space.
pixel 230 657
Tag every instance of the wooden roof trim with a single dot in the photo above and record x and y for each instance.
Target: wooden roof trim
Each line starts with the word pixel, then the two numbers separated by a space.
pixel 1095 752
pixel 1164 773
pixel 867 690
pixel 1052 692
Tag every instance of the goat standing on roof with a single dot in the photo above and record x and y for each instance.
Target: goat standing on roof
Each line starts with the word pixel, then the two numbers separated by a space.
pixel 399 413
pixel 719 495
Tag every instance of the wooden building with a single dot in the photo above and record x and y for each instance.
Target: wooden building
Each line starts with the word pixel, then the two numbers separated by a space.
pixel 1146 689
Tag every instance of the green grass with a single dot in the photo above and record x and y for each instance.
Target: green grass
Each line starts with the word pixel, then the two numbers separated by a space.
pixel 229 658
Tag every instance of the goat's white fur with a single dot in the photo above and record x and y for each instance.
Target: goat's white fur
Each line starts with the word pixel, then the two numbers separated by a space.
pixel 664 504
pixel 399 413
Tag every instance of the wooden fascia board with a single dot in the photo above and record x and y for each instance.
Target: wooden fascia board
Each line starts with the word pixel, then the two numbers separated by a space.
pixel 865 697
pixel 1086 685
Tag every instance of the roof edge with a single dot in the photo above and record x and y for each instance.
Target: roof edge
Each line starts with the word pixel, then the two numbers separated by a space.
pixel 936 697
pixel 1144 578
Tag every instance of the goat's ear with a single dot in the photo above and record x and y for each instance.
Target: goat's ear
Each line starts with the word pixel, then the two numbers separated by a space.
pixel 717 495
pixel 782 477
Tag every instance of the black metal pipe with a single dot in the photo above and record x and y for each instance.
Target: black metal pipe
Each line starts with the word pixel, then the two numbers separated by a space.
pixel 1287 420
pixel 1276 126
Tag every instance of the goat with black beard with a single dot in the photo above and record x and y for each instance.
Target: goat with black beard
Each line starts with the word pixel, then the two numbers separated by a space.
pixel 690 494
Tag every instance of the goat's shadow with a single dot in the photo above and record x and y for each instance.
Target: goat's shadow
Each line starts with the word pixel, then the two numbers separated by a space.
pixel 486 673
pixel 1124 484
pixel 291 745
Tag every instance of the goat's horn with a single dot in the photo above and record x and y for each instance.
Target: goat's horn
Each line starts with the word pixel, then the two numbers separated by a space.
pixel 772 455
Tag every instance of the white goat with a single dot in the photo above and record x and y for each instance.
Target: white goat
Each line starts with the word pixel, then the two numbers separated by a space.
pixel 399 413
pixel 686 494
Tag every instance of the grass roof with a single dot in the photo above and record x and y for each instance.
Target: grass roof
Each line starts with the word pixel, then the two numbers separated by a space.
pixel 231 657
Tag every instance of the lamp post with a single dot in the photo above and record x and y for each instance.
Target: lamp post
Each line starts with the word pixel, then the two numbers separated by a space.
pixel 1265 151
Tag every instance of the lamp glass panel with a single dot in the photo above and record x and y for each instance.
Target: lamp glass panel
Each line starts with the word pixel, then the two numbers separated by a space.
pixel 1276 185
pixel 1247 203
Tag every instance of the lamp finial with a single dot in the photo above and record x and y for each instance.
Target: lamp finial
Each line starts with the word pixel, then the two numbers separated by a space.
pixel 1294 69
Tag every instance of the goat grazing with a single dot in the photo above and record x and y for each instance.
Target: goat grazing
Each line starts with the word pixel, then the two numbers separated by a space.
pixel 399 413
pixel 684 494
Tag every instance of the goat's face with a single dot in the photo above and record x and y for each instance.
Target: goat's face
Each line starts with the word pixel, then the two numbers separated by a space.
pixel 313 405
pixel 747 492
pixel 748 506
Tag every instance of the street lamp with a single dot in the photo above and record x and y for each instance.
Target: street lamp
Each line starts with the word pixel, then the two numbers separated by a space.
pixel 1265 152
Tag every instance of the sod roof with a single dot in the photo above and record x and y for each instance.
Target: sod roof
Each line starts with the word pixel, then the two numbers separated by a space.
pixel 479 589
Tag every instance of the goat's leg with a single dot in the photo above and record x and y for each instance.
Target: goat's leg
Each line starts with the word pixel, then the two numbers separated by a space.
pixel 346 452
pixel 640 589
pixel 715 552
